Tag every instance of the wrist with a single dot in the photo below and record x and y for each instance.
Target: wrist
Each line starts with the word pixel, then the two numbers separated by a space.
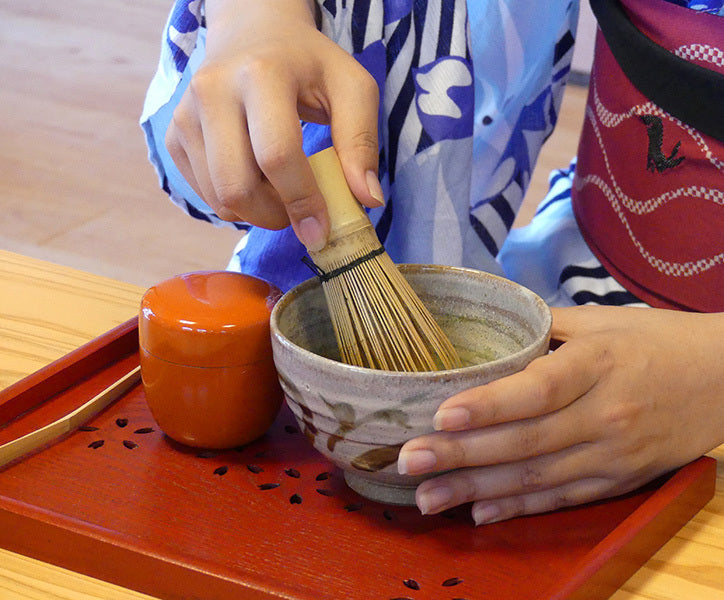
pixel 252 12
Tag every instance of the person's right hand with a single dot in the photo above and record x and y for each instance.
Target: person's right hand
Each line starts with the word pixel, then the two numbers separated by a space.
pixel 235 135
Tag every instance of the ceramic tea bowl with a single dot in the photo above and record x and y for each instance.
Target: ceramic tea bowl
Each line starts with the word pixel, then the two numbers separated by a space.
pixel 359 418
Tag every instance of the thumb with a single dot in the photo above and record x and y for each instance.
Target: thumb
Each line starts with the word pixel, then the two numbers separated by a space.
pixel 353 123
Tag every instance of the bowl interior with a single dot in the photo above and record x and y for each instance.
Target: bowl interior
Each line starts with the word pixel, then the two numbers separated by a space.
pixel 486 317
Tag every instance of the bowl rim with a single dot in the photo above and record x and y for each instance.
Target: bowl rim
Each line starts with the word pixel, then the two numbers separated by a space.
pixel 306 285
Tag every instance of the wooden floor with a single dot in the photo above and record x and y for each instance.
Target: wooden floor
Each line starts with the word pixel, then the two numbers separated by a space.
pixel 75 184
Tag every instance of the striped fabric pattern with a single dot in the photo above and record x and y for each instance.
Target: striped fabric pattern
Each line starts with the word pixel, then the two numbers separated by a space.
pixel 551 257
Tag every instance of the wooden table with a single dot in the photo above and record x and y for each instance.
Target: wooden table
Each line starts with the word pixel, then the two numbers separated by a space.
pixel 47 310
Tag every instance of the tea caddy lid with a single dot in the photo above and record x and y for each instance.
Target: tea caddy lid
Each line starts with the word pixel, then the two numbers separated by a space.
pixel 208 319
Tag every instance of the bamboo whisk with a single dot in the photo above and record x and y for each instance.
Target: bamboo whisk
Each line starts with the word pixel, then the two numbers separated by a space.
pixel 378 319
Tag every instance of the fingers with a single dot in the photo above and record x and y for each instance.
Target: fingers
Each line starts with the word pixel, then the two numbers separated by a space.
pixel 207 141
pixel 348 98
pixel 276 138
pixel 536 485
pixel 537 474
pixel 530 413
pixel 237 185
pixel 546 385
pixel 184 139
pixel 577 425
pixel 571 494
pixel 505 442
pixel 236 134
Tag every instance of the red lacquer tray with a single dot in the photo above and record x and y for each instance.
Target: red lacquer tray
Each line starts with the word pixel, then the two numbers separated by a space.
pixel 275 520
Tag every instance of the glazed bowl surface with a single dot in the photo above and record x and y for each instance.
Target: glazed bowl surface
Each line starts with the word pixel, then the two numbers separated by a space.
pixel 359 418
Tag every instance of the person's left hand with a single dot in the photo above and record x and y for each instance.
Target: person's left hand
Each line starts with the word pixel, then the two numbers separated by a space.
pixel 631 394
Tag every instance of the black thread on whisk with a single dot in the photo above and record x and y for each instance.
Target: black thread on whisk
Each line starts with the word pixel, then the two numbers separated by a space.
pixel 325 276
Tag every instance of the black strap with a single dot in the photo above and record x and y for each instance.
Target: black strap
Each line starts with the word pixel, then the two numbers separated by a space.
pixel 687 91
pixel 325 276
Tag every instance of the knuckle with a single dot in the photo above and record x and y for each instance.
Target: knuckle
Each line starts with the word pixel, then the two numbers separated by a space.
pixel 274 157
pixel 181 116
pixel 351 73
pixel 489 412
pixel 549 500
pixel 365 82
pixel 560 498
pixel 540 502
pixel 226 215
pixel 529 441
pixel 258 65
pixel 232 197
pixel 173 143
pixel 546 385
pixel 205 83
pixel 467 488
pixel 455 450
pixel 623 417
pixel 365 141
pixel 530 477
pixel 618 418
pixel 300 205
pixel 180 127
pixel 516 507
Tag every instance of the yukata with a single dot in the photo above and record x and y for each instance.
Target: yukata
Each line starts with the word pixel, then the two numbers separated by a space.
pixel 468 93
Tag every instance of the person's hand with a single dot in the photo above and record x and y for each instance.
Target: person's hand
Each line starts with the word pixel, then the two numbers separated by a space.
pixel 235 135
pixel 631 394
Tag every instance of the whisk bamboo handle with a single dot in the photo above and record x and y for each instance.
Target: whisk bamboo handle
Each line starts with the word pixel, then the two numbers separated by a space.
pixel 346 214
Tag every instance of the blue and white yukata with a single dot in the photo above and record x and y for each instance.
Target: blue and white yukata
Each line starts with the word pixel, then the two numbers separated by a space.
pixel 469 92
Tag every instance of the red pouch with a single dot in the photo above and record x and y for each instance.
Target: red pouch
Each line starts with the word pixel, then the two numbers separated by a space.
pixel 649 187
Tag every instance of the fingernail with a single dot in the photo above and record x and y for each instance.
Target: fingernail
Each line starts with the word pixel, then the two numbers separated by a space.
pixel 434 499
pixel 451 419
pixel 374 187
pixel 413 462
pixel 311 234
pixel 488 513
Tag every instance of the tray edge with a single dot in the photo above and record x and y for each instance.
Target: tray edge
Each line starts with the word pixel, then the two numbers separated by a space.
pixel 626 549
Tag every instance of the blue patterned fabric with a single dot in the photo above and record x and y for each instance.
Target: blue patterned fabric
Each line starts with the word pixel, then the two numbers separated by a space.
pixel 470 90
pixel 714 7
pixel 550 256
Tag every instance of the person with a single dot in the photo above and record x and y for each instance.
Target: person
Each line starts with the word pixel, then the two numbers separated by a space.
pixel 438 111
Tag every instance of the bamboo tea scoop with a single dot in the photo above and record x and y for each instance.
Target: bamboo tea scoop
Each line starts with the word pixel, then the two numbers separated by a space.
pixel 38 438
